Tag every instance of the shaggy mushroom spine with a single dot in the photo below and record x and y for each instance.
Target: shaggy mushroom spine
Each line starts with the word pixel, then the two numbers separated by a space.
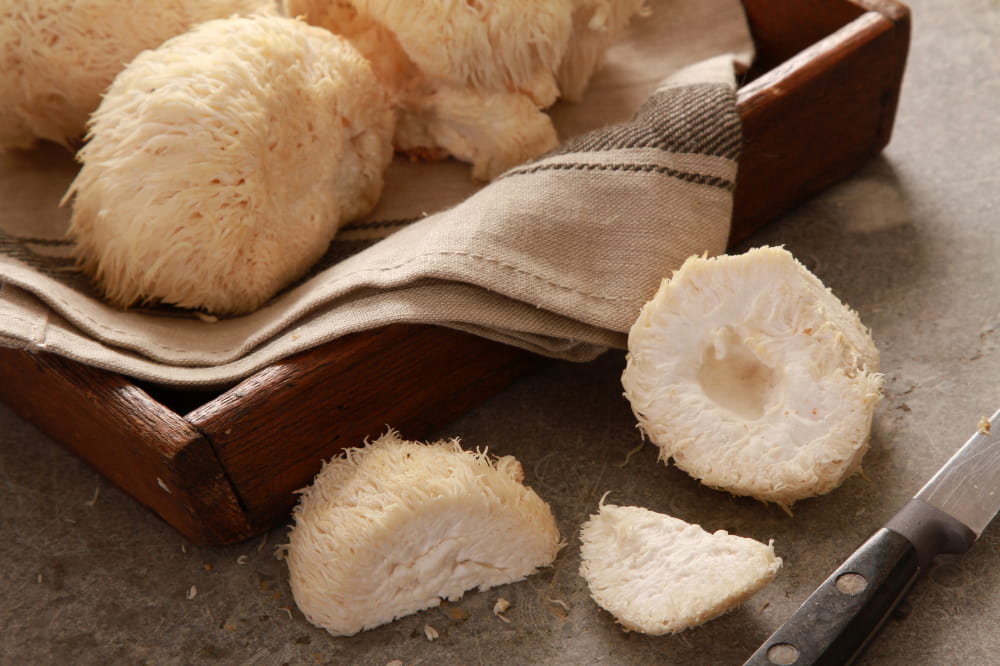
pixel 221 164
pixel 57 57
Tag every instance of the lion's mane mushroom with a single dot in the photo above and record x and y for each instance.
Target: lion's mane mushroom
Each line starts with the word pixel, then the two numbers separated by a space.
pixel 391 528
pixel 658 574
pixel 753 377
pixel 597 25
pixel 221 164
pixel 58 56
pixel 471 78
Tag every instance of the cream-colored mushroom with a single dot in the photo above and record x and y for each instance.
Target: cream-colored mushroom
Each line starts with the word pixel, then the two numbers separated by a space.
pixel 753 377
pixel 58 56
pixel 392 528
pixel 658 574
pixel 471 78
pixel 221 164
pixel 597 25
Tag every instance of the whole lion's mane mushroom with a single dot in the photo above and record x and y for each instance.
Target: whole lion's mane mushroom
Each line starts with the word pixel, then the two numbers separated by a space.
pixel 58 56
pixel 221 164
pixel 471 78
pixel 753 377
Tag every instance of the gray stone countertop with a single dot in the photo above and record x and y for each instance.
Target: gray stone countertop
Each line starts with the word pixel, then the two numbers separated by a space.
pixel 912 242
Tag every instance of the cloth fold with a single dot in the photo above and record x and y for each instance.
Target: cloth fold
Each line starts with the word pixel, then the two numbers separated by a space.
pixel 556 256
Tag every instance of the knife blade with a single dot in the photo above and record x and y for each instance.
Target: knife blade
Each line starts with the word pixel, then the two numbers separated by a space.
pixel 947 515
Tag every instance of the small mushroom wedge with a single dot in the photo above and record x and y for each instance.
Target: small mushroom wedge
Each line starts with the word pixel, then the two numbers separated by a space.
pixel 393 527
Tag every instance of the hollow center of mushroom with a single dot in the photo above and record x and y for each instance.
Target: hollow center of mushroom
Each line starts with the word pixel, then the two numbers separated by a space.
pixel 732 376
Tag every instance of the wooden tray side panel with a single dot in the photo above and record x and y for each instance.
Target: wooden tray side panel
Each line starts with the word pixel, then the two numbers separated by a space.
pixel 782 28
pixel 410 377
pixel 818 117
pixel 137 444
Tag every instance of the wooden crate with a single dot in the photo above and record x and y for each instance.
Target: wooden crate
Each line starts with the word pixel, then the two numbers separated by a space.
pixel 222 466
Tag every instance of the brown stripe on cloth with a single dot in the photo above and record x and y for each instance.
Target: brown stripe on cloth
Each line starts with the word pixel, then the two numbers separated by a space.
pixel 60 267
pixel 696 178
pixel 680 119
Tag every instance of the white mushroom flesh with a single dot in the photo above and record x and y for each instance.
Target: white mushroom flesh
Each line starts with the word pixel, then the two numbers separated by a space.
pixel 658 574
pixel 753 377
pixel 394 527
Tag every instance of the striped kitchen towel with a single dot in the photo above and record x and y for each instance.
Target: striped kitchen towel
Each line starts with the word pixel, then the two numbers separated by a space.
pixel 556 256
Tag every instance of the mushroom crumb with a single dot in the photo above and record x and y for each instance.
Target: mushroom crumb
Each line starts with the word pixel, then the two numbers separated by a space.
pixel 221 164
pixel 57 57
pixel 394 527
pixel 559 602
pixel 471 78
pixel 431 633
pixel 657 574
pixel 500 607
pixel 753 377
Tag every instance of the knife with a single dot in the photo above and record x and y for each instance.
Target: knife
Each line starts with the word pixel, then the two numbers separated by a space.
pixel 836 623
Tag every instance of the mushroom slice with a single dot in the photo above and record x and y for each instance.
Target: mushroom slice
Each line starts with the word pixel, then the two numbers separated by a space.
pixel 391 528
pixel 222 163
pixel 658 574
pixel 753 377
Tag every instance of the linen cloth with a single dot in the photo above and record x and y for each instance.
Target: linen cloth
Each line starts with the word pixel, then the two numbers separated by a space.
pixel 556 256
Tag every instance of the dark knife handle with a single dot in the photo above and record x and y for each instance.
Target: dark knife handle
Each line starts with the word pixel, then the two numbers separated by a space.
pixel 834 624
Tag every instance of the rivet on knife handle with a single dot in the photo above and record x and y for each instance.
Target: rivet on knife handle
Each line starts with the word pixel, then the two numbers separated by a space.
pixel 835 623
pixel 949 513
